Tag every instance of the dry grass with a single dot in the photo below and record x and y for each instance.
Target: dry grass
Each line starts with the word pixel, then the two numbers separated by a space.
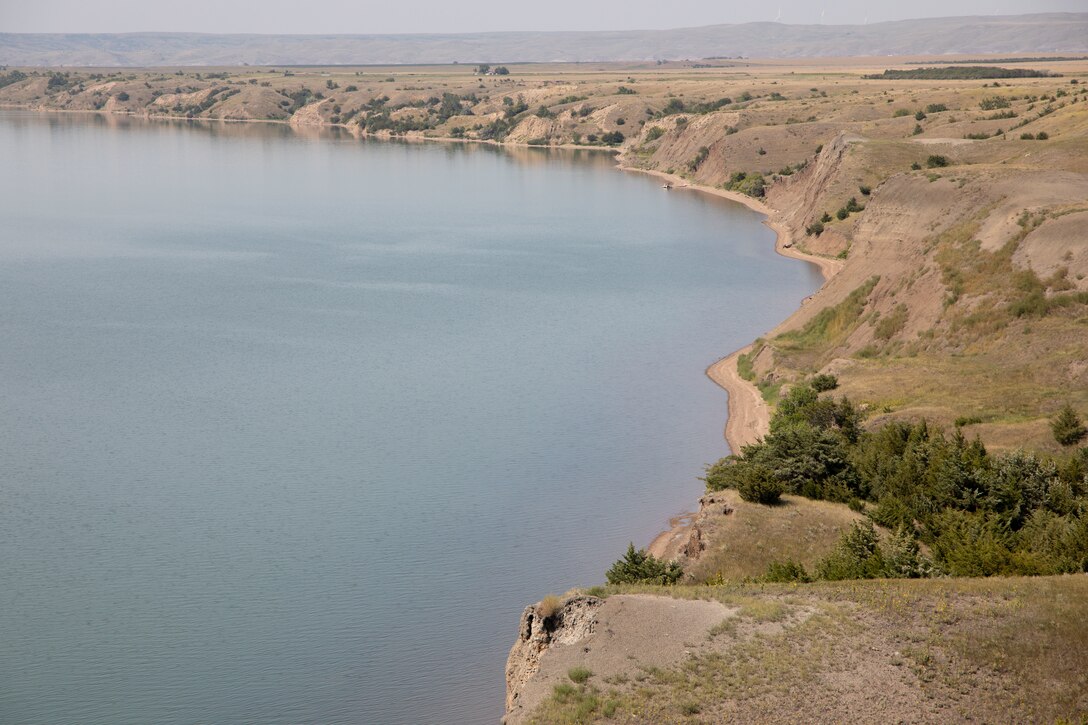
pixel 742 544
pixel 993 650
pixel 548 606
pixel 1011 387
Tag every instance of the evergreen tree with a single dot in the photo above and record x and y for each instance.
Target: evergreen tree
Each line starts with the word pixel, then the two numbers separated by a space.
pixel 1067 427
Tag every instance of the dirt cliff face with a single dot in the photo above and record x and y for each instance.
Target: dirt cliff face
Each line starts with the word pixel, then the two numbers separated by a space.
pixel 962 291
pixel 615 638
pixel 572 621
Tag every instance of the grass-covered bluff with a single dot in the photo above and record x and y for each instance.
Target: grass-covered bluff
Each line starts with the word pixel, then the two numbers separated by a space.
pixel 916 610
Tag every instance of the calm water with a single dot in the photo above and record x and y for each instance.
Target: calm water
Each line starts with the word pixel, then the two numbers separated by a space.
pixel 293 426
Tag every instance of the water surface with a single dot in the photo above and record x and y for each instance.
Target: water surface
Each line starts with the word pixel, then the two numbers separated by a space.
pixel 293 426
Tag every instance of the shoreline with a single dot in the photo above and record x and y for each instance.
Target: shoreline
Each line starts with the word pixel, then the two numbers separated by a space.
pixel 409 136
pixel 748 416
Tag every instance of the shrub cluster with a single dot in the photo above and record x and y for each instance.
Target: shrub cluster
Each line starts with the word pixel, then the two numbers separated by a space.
pixel 752 184
pixel 6 79
pixel 980 514
pixel 849 208
pixel 654 133
pixel 860 555
pixel 376 115
pixel 961 73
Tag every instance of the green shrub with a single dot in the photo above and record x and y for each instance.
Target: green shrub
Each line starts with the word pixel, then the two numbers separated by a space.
pixel 760 486
pixel 785 572
pixel 1067 427
pixel 6 79
pixel 936 161
pixel 993 103
pixel 754 481
pixel 971 544
pixel 824 382
pixel 1042 136
pixel 857 555
pixel 1027 136
pixel 902 558
pixel 654 133
pixel 640 567
pixel 751 184
pixel 815 229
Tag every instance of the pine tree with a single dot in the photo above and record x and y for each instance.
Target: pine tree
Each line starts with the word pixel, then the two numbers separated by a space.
pixel 1067 427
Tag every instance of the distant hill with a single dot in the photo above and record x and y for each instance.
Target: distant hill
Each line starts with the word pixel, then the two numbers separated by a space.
pixel 1027 34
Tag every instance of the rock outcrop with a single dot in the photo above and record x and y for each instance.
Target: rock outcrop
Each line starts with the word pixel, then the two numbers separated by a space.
pixel 574 620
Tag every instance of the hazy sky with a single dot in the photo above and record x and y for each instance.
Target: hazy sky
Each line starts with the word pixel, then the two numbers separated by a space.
pixel 445 16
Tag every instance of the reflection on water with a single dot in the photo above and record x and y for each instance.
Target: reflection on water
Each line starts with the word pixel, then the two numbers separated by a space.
pixel 295 424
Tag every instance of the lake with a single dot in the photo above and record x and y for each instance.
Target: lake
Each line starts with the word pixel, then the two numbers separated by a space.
pixel 294 424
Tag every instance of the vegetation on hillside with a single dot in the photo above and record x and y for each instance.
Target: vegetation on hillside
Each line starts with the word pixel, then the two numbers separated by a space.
pixel 979 514
pixel 955 73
